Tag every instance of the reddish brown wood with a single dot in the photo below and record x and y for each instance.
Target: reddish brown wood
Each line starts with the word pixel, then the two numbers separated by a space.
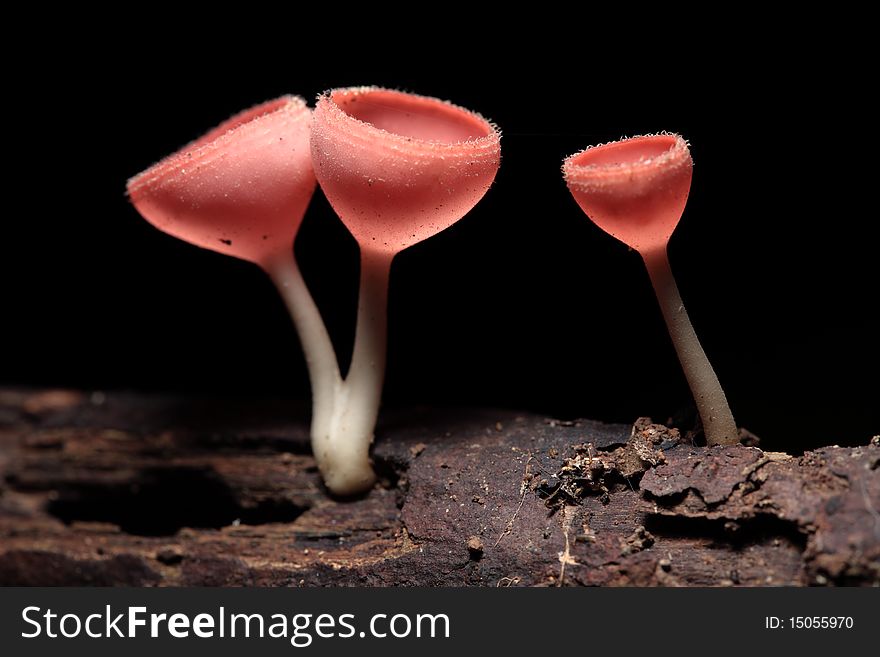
pixel 124 489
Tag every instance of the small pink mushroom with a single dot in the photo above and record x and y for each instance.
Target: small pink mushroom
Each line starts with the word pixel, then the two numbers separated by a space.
pixel 636 190
pixel 397 168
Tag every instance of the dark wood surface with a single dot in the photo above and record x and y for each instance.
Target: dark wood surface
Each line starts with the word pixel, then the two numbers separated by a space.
pixel 126 489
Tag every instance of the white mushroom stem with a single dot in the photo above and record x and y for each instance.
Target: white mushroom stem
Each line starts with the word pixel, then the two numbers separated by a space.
pixel 317 347
pixel 344 412
pixel 718 424
pixel 343 450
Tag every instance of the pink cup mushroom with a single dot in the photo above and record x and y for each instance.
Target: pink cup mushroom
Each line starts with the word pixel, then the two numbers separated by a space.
pixel 636 190
pixel 242 189
pixel 397 168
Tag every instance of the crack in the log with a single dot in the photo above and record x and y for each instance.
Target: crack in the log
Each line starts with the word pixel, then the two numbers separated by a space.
pixel 162 501
pixel 737 534
pixel 391 471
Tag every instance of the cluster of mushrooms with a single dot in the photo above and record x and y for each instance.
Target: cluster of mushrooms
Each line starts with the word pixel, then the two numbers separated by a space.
pixel 398 168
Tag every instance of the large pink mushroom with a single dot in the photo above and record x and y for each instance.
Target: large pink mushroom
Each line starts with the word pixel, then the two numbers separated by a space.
pixel 242 189
pixel 636 190
pixel 397 168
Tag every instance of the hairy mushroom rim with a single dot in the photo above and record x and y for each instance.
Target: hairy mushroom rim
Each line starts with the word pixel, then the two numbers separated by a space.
pixel 410 118
pixel 246 125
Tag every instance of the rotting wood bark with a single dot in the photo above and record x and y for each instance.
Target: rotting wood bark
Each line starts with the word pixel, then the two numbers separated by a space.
pixel 125 489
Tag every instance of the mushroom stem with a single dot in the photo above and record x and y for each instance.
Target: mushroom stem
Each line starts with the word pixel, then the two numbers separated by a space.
pixel 317 347
pixel 343 451
pixel 718 424
pixel 367 371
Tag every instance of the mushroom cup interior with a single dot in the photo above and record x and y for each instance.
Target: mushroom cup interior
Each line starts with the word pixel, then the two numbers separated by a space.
pixel 413 117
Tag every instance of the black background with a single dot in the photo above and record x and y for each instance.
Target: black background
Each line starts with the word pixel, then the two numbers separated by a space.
pixel 522 304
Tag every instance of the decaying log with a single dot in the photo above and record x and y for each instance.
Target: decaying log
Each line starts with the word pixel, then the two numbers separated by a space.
pixel 125 489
